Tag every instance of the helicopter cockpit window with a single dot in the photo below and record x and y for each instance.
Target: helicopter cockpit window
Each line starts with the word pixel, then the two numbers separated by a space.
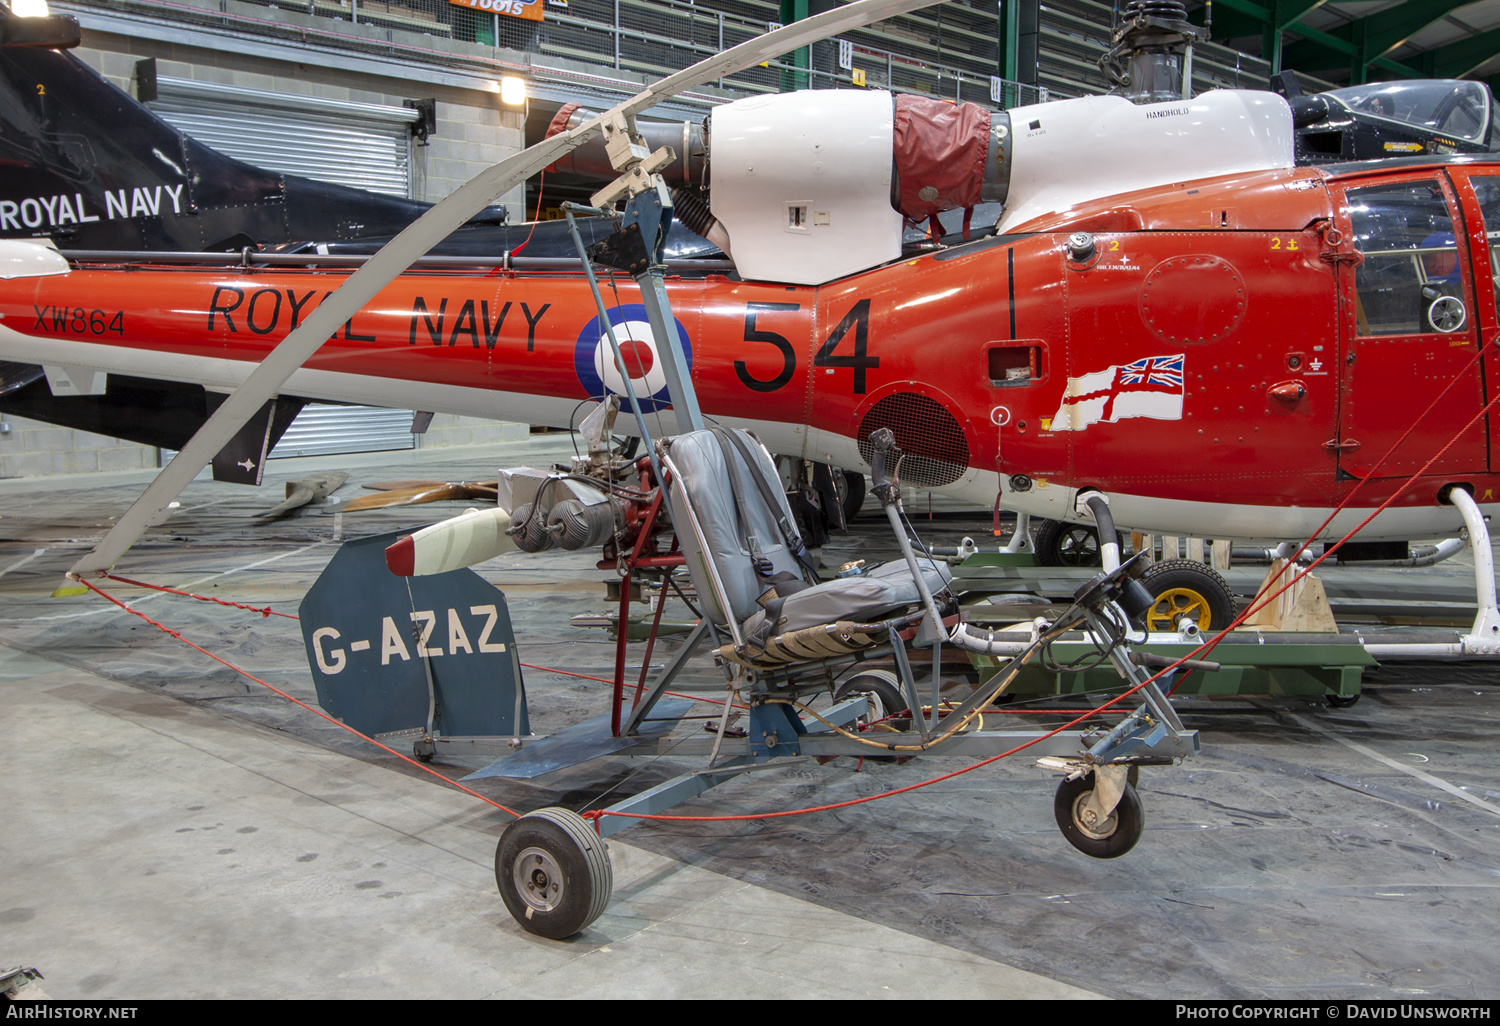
pixel 1453 107
pixel 1410 281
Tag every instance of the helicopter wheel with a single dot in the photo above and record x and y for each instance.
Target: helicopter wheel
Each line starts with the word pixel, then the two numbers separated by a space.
pixel 1341 701
pixel 1109 838
pixel 851 492
pixel 881 685
pixel 1062 544
pixel 1185 587
pixel 883 689
pixel 553 872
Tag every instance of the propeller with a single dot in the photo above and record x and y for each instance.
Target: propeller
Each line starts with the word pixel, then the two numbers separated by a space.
pixel 388 486
pixel 305 491
pixel 464 540
pixel 423 491
pixel 427 231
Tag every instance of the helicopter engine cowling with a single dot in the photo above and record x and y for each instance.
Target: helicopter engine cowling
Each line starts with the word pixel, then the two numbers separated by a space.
pixel 814 185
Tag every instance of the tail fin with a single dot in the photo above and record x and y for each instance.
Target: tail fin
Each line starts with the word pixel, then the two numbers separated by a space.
pixel 86 165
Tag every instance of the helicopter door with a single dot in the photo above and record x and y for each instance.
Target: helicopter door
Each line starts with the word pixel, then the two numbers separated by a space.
pixel 1408 313
pixel 1479 192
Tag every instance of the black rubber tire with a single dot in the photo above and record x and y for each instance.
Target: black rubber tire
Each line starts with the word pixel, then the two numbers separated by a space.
pixel 852 495
pixel 887 691
pixel 1129 820
pixel 571 873
pixel 1062 544
pixel 1341 701
pixel 1184 585
pixel 875 683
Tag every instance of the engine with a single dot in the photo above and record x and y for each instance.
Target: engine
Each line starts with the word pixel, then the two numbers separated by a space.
pixel 810 186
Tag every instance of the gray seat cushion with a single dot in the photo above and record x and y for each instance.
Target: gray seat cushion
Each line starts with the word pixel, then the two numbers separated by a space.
pixel 872 596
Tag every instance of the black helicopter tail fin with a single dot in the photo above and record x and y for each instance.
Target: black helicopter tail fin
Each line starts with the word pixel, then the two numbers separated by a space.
pixel 89 167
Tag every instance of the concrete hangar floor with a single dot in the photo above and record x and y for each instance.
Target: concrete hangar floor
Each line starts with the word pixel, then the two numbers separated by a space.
pixel 174 831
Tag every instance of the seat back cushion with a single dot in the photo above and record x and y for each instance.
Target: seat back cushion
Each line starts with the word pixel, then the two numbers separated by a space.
pixel 705 470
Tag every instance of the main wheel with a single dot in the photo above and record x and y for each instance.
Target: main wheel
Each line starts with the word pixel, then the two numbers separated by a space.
pixel 881 685
pixel 553 872
pixel 1185 587
pixel 1341 701
pixel 1106 839
pixel 1060 544
pixel 884 690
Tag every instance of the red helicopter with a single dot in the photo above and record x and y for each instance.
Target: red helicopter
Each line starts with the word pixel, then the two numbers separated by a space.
pixel 1168 313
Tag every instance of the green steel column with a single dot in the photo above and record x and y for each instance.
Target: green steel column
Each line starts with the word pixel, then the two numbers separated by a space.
pixel 1010 29
pixel 792 80
pixel 1359 61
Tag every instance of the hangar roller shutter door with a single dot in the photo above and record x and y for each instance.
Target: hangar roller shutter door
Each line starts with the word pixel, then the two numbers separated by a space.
pixel 362 145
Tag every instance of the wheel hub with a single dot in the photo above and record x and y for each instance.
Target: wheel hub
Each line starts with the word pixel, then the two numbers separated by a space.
pixel 538 879
pixel 1175 603
pixel 1078 547
pixel 1087 819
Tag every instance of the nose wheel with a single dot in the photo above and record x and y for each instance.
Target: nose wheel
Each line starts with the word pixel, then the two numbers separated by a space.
pixel 1090 829
pixel 553 872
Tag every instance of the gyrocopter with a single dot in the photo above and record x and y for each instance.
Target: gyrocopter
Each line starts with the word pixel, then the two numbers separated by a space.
pixel 1170 326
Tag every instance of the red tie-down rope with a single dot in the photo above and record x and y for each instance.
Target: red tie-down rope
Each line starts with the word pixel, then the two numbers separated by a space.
pixel 268 611
pixel 264 612
pixel 1256 604
pixel 271 687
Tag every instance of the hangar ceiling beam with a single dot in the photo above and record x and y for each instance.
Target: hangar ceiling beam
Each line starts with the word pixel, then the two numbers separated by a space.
pixel 1460 58
pixel 1382 32
pixel 1273 20
pixel 1283 16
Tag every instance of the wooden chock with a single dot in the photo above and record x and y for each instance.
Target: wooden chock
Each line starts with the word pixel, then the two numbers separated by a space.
pixel 1302 607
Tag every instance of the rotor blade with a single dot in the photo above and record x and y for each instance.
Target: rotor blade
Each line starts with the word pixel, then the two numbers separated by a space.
pixel 436 224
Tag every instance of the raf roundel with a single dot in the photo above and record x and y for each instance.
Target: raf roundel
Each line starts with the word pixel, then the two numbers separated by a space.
pixel 595 363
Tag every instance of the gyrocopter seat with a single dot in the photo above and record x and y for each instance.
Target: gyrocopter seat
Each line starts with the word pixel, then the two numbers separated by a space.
pixel 748 563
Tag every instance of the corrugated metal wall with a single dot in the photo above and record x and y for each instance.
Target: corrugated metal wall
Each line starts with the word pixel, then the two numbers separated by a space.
pixel 363 145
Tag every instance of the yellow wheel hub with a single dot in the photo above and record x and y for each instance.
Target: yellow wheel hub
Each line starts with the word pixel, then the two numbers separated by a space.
pixel 1175 603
